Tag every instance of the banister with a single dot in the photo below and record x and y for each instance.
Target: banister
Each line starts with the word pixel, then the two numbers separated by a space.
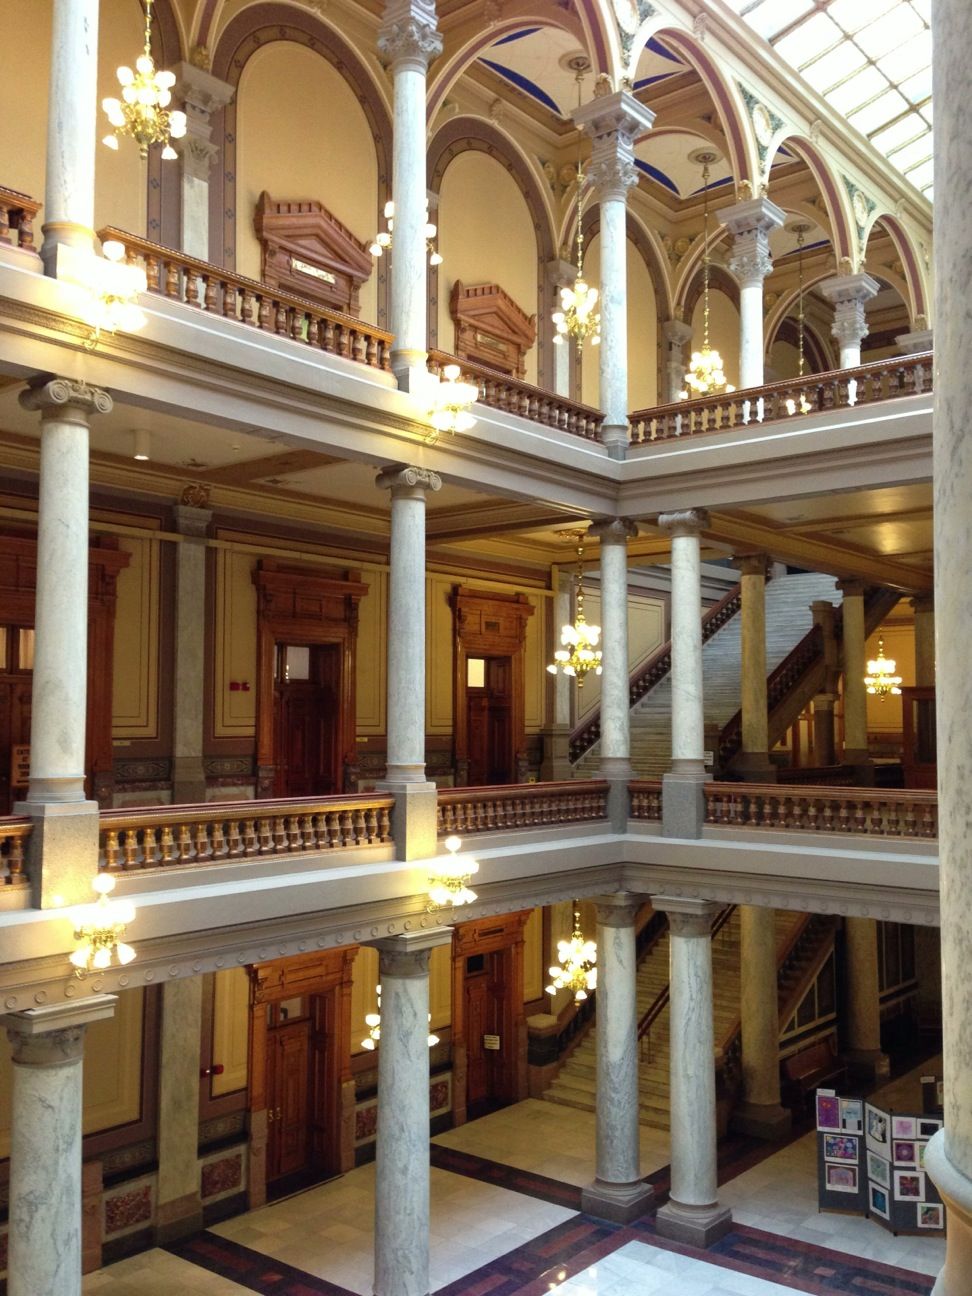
pixel 17 212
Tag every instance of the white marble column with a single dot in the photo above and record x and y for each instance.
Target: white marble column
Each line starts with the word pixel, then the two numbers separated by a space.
pixel 560 274
pixel 47 1049
pixel 848 295
pixel 72 121
pixel 402 1148
pixel 750 224
pixel 676 334
pixel 407 43
pixel 863 1020
pixel 692 1214
pixel 202 94
pixel 414 812
pixel 855 668
pixel 613 122
pixel 179 1210
pixel 753 761
pixel 618 1192
pixel 683 805
pixel 556 746
pixel 64 844
pixel 759 1113
pixel 613 534
pixel 188 774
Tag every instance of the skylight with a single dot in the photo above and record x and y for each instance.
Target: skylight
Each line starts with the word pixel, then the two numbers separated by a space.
pixel 871 61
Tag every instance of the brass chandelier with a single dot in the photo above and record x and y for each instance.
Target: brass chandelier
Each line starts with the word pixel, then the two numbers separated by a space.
pixel 143 109
pixel 803 405
pixel 576 969
pixel 579 652
pixel 880 680
pixel 383 240
pixel 705 375
pixel 577 317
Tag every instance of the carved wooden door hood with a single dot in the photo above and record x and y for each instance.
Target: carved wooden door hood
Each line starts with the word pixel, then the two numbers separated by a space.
pixel 307 251
pixel 490 328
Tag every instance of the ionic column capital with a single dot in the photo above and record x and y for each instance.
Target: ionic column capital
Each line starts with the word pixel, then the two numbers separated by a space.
pixel 687 917
pixel 66 400
pixel 408 955
pixel 405 481
pixel 613 122
pixel 409 36
pixel 613 531
pixel 684 522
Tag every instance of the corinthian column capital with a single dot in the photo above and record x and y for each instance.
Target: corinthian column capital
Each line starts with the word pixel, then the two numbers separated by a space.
pixel 408 35
pixel 613 122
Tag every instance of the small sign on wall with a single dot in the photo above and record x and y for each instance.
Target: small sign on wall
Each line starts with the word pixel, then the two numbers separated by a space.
pixel 491 1043
pixel 20 765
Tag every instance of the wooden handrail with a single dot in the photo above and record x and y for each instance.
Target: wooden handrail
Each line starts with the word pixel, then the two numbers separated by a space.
pixel 208 287
pixel 836 389
pixel 17 212
pixel 646 799
pixel 796 808
pixel 513 395
pixel 520 805
pixel 15 832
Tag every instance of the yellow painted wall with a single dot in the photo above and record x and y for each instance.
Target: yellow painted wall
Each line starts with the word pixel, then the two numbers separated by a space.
pixel 784 360
pixel 372 655
pixel 301 133
pixel 121 178
pixel 642 333
pixel 366 977
pixel 112 1071
pixel 25 43
pixel 723 332
pixel 236 644
pixel 533 959
pixel 899 643
pixel 485 236
pixel 646 632
pixel 231 1029
pixel 135 700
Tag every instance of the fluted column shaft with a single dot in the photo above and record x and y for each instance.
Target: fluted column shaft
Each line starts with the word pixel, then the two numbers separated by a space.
pixel 855 668
pixel 750 224
pixel 47 1047
pixel 407 43
pixel 848 295
pixel 72 114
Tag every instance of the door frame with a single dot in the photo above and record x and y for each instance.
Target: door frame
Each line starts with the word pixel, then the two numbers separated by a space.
pixel 298 604
pixel 490 625
pixel 327 975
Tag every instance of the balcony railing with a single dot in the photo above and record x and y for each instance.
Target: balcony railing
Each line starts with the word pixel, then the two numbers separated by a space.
pixel 646 799
pixel 879 380
pixel 17 213
pixel 221 292
pixel 512 395
pixel 526 805
pixel 14 833
pixel 868 811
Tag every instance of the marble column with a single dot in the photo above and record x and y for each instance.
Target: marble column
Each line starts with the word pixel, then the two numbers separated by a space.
pixel 613 534
pixel 556 746
pixel 677 335
pixel 72 121
pixel 824 743
pixel 848 295
pixel 407 43
pixel 414 814
pixel 863 1021
pixel 753 761
pixel 915 342
pixel 618 1192
pixel 760 1113
pixel 64 842
pixel 855 668
pixel 692 1213
pixel 683 803
pixel 179 1207
pixel 613 122
pixel 202 94
pixel 47 1049
pixel 402 1147
pixel 188 774
pixel 750 224
pixel 560 274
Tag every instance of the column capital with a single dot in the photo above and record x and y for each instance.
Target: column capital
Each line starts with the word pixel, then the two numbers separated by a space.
pixel 192 522
pixel 560 273
pixel 841 289
pixel 408 35
pixel 851 588
pixel 613 122
pixel 613 530
pixel 676 332
pixel 687 917
pixel 54 1036
pixel 754 564
pixel 684 522
pixel 408 955
pixel 915 342
pixel 405 481
pixel 201 91
pixel 750 224
pixel 66 399
pixel 618 910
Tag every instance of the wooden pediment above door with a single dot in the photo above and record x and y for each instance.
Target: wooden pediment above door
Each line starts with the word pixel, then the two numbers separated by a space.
pixel 490 328
pixel 307 251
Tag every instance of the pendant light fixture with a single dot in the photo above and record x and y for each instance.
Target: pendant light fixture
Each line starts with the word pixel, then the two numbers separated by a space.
pixel 576 969
pixel 577 317
pixel 142 112
pixel 579 652
pixel 880 680
pixel 803 405
pixel 705 375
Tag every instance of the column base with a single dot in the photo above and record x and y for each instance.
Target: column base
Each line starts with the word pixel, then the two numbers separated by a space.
pixel 63 852
pixel 699 1226
pixel 188 780
pixel 414 817
pixel 615 438
pixel 178 1219
pixel 956 1193
pixel 411 373
pixel 555 765
pixel 867 1064
pixel 683 801
pixel 617 771
pixel 619 1203
pixel 767 1121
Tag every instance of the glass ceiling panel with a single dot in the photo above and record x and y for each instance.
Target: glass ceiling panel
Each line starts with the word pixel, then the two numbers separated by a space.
pixel 871 61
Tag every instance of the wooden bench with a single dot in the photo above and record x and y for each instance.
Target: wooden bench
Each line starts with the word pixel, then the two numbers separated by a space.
pixel 815 1065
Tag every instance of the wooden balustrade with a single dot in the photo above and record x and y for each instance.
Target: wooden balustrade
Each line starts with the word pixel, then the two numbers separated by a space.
pixel 869 811
pixel 167 837
pixel 14 834
pixel 878 380
pixel 526 805
pixel 17 212
pixel 503 392
pixel 221 292
pixel 646 799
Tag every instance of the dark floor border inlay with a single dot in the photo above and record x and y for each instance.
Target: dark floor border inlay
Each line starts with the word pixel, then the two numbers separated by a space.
pixel 249 1268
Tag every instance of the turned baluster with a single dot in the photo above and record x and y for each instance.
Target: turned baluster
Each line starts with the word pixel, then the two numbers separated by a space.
pixel 280 843
pixel 328 341
pixel 810 817
pixel 167 851
pixel 193 288
pixel 219 841
pixel 264 312
pixel 111 848
pixel 172 279
pixel 384 824
pixel 347 831
pixel 230 298
pixel 246 307
pixel 280 319
pixel 152 272
pixel 343 340
pixel 209 298
pixel 234 840
pixel 297 320
pixel 358 827
pixel 130 848
pixel 332 831
pixel 860 817
pixel 251 840
pixel 292 835
pixel 308 828
pixel 359 346
pixel 929 821
pixel 203 850
pixel 15 863
pixel 314 331
pixel 843 816
pixel 265 836
pixel 5 224
pixel 185 844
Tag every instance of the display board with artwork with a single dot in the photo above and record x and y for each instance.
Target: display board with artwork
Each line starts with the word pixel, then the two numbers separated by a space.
pixel 871 1161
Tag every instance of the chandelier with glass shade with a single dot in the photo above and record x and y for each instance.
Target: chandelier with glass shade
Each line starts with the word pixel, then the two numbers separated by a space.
pixel 705 375
pixel 578 317
pixel 880 680
pixel 143 111
pixel 579 653
pixel 99 928
pixel 373 1022
pixel 383 240
pixel 576 970
pixel 803 405
pixel 452 399
pixel 449 878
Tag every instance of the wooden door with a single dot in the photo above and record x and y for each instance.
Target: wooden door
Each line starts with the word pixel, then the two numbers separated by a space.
pixel 484 1015
pixel 306 754
pixel 288 1099
pixel 489 711
pixel 15 695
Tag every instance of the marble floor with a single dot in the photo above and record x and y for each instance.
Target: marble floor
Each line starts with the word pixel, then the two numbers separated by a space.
pixel 506 1221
